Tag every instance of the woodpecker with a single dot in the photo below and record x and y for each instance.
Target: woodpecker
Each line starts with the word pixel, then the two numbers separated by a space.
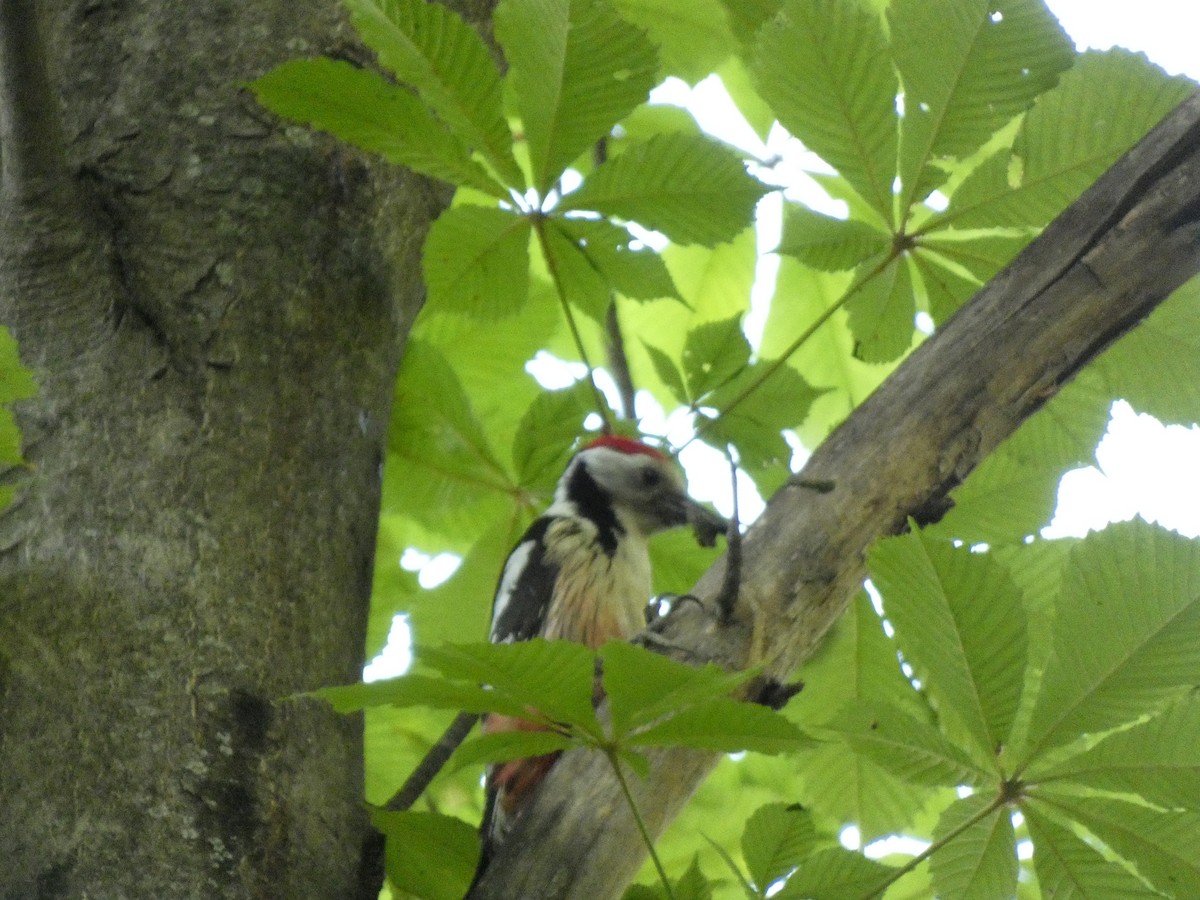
pixel 581 572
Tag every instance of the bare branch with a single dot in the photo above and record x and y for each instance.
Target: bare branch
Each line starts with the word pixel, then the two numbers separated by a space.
pixel 1096 272
pixel 618 362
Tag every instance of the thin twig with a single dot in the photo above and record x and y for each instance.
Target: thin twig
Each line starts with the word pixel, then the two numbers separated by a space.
pixel 641 823
pixel 539 228
pixel 934 847
pixel 728 597
pixel 780 361
pixel 432 763
pixel 618 361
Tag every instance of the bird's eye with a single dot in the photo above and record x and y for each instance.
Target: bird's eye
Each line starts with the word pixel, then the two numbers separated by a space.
pixel 651 477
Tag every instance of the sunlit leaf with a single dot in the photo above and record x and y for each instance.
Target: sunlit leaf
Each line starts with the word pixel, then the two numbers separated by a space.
pixel 442 470
pixel 577 69
pixel 992 60
pixel 431 48
pixel 728 726
pixel 1069 868
pixel 960 622
pixel 882 312
pixel 1156 367
pixel 639 274
pixel 694 38
pixel 428 855
pixel 906 747
pixel 776 839
pixel 476 261
pixel 642 685
pixel 834 875
pixel 1100 108
pixel 502 746
pixel 1139 587
pixel 1160 759
pixel 363 109
pixel 547 433
pixel 980 860
pixel 553 677
pixel 692 189
pixel 1161 845
pixel 826 243
pixel 713 353
pixel 824 68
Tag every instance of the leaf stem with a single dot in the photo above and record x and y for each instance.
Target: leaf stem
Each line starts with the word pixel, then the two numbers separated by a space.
pixel 611 756
pixel 780 361
pixel 538 222
pixel 936 846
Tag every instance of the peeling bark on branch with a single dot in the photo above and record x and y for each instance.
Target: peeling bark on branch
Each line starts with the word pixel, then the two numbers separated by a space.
pixel 1094 274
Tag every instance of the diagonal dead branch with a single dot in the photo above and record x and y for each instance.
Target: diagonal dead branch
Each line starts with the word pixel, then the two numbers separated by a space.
pixel 1094 274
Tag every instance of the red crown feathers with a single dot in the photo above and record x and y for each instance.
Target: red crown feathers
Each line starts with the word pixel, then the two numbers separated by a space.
pixel 625 445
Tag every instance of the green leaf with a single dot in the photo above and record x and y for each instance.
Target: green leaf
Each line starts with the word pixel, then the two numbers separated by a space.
pixel 1013 493
pixel 824 68
pixel 1059 150
pixel 734 870
pixel 431 48
pixel 980 863
pixel 502 746
pixel 1159 759
pixel 461 606
pixel 947 287
pixel 428 855
pixel 1156 367
pixel 857 662
pixel 692 189
pixel 643 686
pixel 667 372
pixel 834 874
pixel 577 69
pixel 553 677
pixel 639 274
pixel 548 432
pixel 908 748
pixel 1068 868
pixel 780 399
pixel 960 622
pixel 777 838
pixel 826 243
pixel 713 353
pixel 882 313
pixel 574 274
pixel 363 109
pixel 441 468
pixel 727 726
pixel 694 38
pixel 1139 587
pixel 1161 845
pixel 476 261
pixel 16 383
pixel 826 358
pixel 415 689
pixel 993 59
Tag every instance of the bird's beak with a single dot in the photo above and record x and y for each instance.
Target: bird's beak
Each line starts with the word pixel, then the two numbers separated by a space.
pixel 706 524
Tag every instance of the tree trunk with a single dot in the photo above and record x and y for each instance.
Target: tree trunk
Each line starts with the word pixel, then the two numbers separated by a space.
pixel 1095 273
pixel 214 306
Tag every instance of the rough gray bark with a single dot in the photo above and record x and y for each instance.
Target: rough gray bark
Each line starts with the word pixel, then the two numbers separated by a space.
pixel 214 306
pixel 1094 274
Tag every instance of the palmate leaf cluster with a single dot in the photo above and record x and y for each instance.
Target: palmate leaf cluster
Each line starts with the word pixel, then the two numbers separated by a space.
pixel 1005 673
